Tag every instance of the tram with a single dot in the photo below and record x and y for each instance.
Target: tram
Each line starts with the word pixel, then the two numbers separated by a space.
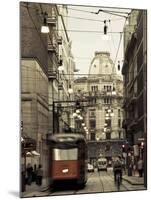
pixel 68 158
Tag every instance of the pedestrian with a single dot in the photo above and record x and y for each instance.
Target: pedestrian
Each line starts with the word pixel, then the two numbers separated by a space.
pixel 29 170
pixel 140 167
pixel 34 176
pixel 134 169
pixel 39 175
pixel 117 168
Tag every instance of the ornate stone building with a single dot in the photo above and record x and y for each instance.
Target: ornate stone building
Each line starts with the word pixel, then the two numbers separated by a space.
pixel 103 89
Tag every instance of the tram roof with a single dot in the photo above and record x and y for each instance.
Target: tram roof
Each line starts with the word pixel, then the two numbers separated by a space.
pixel 60 137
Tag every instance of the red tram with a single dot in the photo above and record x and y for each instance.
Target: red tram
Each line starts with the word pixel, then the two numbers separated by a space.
pixel 68 158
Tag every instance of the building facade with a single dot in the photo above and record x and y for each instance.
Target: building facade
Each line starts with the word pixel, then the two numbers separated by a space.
pixel 135 85
pixel 34 82
pixel 47 67
pixel 103 89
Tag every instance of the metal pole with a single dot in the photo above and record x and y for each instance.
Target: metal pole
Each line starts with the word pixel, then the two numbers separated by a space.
pixel 53 116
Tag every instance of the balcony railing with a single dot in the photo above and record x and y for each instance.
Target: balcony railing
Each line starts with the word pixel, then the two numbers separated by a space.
pixel 52 48
pixel 59 40
pixel 52 21
pixel 52 74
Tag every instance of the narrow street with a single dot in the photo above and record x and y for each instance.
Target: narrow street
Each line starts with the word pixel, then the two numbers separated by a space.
pixel 98 182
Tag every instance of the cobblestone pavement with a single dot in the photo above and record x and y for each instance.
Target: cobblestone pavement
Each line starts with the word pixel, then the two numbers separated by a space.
pixel 97 182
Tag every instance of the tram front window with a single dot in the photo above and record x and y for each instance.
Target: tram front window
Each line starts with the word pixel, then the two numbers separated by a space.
pixel 65 154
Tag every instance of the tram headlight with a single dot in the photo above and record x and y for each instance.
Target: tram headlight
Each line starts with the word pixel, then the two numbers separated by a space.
pixel 65 171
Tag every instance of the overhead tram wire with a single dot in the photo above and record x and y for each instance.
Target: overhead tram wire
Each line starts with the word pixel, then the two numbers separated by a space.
pixel 88 31
pixel 75 73
pixel 91 12
pixel 81 18
pixel 88 19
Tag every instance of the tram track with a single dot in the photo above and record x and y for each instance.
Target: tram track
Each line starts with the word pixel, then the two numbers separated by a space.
pixel 111 176
pixel 102 178
pixel 101 182
pixel 76 189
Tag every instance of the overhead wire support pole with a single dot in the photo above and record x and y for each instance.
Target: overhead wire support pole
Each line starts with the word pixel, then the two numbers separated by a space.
pixel 118 47
pixel 111 11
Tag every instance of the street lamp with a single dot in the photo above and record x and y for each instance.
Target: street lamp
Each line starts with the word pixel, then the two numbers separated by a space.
pixel 105 36
pixel 78 111
pixel 74 115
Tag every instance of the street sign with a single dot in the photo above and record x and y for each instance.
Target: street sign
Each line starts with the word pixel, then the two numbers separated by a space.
pixel 124 154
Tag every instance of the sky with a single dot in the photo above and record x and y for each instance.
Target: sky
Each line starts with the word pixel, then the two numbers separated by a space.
pixel 85 43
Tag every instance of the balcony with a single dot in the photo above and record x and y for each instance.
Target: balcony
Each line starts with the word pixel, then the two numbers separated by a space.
pixel 59 40
pixel 60 62
pixel 93 93
pixel 52 21
pixel 60 86
pixel 52 48
pixel 52 74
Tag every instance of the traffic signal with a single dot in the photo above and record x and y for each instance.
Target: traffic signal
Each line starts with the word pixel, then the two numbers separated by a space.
pixel 123 148
pixel 21 125
pixel 77 104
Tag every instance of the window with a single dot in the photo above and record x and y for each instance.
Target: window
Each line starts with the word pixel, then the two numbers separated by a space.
pixel 94 88
pixel 107 100
pixel 92 124
pixel 92 101
pixel 108 136
pixel 107 88
pixel 92 112
pixel 108 122
pixel 119 123
pixel 65 154
pixel 119 112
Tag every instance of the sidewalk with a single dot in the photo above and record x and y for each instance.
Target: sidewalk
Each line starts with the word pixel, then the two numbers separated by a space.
pixel 134 180
pixel 35 190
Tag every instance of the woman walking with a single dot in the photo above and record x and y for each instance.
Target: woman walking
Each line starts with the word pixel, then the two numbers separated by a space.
pixel 39 175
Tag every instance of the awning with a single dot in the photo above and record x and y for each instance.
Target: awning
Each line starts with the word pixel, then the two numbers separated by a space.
pixel 28 154
pixel 35 153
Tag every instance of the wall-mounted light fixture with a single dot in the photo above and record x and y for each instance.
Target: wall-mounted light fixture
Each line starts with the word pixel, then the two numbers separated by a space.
pixel 61 68
pixel 44 27
pixel 70 90
pixel 113 91
pixel 127 22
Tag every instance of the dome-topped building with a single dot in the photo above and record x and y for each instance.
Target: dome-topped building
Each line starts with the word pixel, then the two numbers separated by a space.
pixel 101 64
pixel 103 88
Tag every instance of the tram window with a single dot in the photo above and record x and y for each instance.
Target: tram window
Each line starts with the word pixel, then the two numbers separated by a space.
pixel 65 154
